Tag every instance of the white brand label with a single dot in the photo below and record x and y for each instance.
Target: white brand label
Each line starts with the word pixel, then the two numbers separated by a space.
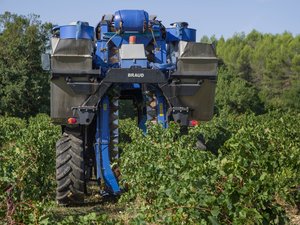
pixel 139 75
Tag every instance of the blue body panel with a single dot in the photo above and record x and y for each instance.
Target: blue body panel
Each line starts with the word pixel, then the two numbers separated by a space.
pixel 102 148
pixel 131 20
pixel 181 34
pixel 160 52
pixel 102 53
pixel 142 124
pixel 97 150
pixel 79 31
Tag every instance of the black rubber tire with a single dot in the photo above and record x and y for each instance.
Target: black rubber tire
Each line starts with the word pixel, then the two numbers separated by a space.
pixel 70 170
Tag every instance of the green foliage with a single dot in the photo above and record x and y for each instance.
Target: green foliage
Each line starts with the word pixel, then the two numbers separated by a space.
pixel 91 219
pixel 10 129
pixel 254 168
pixel 24 87
pixel 170 181
pixel 127 109
pixel 291 97
pixel 208 40
pixel 236 95
pixel 27 171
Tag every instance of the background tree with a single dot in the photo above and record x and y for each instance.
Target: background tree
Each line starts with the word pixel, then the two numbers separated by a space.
pixel 236 95
pixel 268 62
pixel 24 86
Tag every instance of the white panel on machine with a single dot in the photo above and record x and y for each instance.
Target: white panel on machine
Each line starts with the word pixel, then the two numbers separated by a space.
pixel 132 51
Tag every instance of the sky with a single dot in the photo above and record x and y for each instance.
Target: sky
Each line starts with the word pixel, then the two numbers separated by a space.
pixel 210 17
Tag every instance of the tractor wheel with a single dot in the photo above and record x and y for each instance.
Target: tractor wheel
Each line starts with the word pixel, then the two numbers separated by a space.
pixel 70 170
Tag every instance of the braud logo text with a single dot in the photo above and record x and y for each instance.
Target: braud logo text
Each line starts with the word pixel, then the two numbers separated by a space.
pixel 139 75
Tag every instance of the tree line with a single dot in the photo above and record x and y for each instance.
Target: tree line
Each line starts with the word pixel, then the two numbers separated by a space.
pixel 257 71
pixel 24 86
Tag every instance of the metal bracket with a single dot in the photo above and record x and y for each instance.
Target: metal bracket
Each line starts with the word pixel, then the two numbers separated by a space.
pixel 85 114
pixel 180 115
